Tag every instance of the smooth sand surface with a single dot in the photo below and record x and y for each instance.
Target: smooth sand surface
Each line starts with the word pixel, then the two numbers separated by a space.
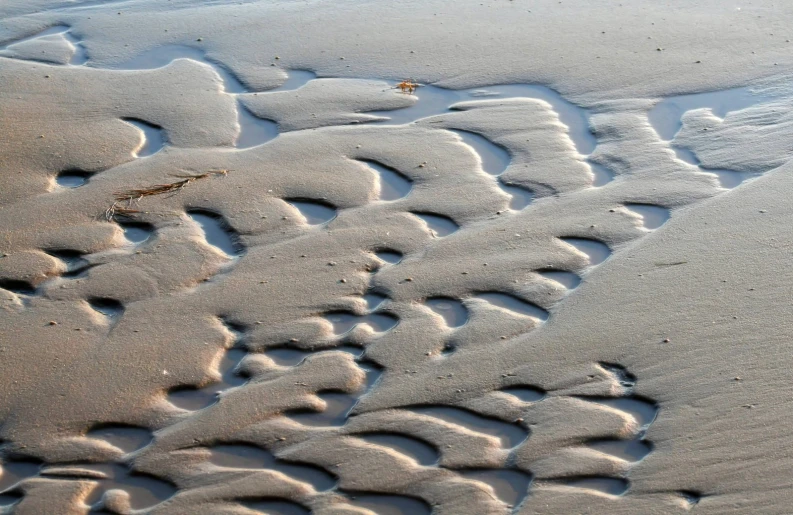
pixel 243 271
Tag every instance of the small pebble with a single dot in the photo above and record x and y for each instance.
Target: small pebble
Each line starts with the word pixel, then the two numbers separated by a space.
pixel 667 340
pixel 53 322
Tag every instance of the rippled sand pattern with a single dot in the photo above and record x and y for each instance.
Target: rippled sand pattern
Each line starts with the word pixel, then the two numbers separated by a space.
pixel 340 321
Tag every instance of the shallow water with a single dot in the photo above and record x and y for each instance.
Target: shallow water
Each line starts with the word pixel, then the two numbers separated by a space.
pixel 254 131
pixel 137 232
pixel 495 158
pixel 509 434
pixel 606 485
pixel 154 138
pixel 600 174
pixel 666 116
pixel 644 412
pixel 144 491
pixel 393 185
pixel 314 212
pixel 514 304
pixel 195 399
pixel 438 225
pixel 520 197
pixel 373 300
pixel 126 438
pixel 511 486
pixel 338 404
pixel 567 279
pixel 216 232
pixel 287 357
pixel 434 101
pixel 390 257
pixel 277 507
pixel 71 179
pixel 596 252
pixel 110 308
pixel 525 394
pixel 12 472
pixel 390 504
pixel 454 313
pixel 628 450
pixel 727 178
pixel 249 457
pixel 424 453
pixel 344 322
pixel 53 34
pixel 653 217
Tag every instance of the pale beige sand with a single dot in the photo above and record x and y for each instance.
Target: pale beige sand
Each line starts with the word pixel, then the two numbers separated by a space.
pixel 678 344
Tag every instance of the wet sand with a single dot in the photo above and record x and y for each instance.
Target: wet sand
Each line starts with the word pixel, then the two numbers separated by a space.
pixel 355 258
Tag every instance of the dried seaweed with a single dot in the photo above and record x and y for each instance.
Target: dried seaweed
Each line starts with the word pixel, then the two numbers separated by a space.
pixel 118 209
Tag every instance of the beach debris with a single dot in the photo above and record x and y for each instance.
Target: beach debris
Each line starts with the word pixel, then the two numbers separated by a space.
pixel 116 209
pixel 408 86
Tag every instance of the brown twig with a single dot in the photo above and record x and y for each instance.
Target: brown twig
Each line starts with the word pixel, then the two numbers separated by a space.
pixel 134 195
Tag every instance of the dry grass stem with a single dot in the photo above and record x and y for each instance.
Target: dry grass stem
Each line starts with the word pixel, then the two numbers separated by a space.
pixel 116 209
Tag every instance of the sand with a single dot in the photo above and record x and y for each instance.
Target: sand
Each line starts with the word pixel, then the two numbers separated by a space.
pixel 243 271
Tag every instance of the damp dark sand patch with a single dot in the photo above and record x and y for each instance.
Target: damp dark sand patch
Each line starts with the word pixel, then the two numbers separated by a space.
pixel 126 438
pixel 344 322
pixel 510 486
pixel 422 452
pixel 338 405
pixel 241 456
pixel 525 393
pixel 144 490
pixel 510 435
pixel 289 357
pixel 389 504
pixel 628 450
pixel 192 399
